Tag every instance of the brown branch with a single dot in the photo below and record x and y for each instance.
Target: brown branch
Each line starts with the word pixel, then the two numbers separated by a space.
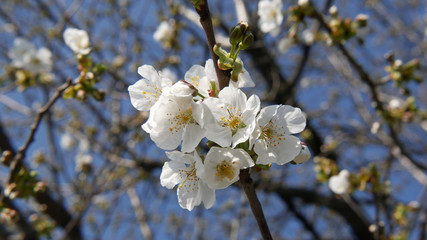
pixel 223 79
pixel 206 21
pixel 54 209
pixel 354 217
pixel 364 76
pixel 248 187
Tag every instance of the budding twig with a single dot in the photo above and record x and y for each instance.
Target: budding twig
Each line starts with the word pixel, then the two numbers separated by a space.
pixel 17 162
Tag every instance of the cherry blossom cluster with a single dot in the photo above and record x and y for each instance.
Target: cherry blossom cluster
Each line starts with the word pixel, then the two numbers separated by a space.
pixel 240 134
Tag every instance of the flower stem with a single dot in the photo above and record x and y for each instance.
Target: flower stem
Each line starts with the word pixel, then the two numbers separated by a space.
pixel 247 185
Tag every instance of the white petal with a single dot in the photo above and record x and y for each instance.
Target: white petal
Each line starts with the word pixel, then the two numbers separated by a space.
pixel 141 96
pixel 287 149
pixel 265 154
pixel 170 175
pixel 294 118
pixel 192 136
pixel 148 72
pixel 303 156
pixel 340 183
pixel 189 194
pixel 194 75
pixel 219 135
pixel 210 71
pixel 266 114
pixel 208 195
pixel 177 156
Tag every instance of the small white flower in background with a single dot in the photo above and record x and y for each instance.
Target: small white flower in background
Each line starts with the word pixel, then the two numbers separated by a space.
pixel 270 16
pixel 164 34
pixel 340 184
pixel 333 10
pixel 181 171
pixel 77 40
pixel 303 3
pixel 146 91
pixel 375 127
pixel 272 136
pixel 174 118
pixel 84 145
pixel 41 61
pixel 308 36
pixel 285 44
pixel 22 52
pixel 101 201
pixel 67 141
pixel 168 74
pixel 303 156
pixel 84 162
pixel 395 103
pixel 222 166
pixel 233 117
pixel 8 28
pixel 25 55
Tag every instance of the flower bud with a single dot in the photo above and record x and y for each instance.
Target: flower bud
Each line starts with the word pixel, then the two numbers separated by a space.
pixel 333 11
pixel 362 20
pixel 238 32
pixel 304 155
pixel 6 157
pixel 247 41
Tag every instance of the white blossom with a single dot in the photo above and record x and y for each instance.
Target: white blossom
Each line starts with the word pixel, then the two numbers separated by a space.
pixel 308 36
pixel 164 34
pixel 67 141
pixel 182 171
pixel 340 184
pixel 84 162
pixel 285 44
pixel 222 166
pixel 77 40
pixel 204 79
pixel 175 117
pixel 303 3
pixel 395 103
pixel 25 55
pixel 231 118
pixel 22 52
pixel 271 137
pixel 41 61
pixel 146 91
pixel 270 16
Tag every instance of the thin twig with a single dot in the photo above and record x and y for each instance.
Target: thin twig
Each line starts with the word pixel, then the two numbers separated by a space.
pixel 18 159
pixel 139 213
pixel 364 76
pixel 206 21
pixel 248 187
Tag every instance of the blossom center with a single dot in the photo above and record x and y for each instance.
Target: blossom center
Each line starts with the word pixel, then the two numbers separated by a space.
pixel 234 121
pixel 272 133
pixel 180 120
pixel 226 169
